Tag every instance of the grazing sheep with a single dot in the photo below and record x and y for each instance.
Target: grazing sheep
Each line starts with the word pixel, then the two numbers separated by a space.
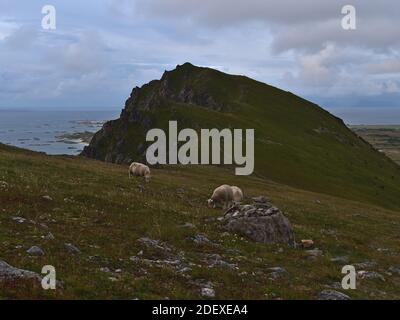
pixel 139 170
pixel 237 194
pixel 222 195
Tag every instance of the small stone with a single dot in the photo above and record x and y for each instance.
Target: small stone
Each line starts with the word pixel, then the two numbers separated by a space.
pixel 276 273
pixel 365 265
pixel 370 275
pixel 332 295
pixel 342 259
pixel 188 225
pixel 49 236
pixel 314 253
pixel 208 293
pixel 18 219
pixel 335 285
pixel 260 199
pixel 395 270
pixel 35 251
pixel 71 248
pixel 105 269
pixel 3 185
pixel 134 259
pixel 201 239
pixel 47 197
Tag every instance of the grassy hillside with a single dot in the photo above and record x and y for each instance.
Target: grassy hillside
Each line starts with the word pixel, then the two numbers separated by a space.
pixel 96 208
pixel 297 142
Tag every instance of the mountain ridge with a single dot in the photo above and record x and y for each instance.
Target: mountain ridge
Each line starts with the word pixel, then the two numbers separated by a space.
pixel 297 142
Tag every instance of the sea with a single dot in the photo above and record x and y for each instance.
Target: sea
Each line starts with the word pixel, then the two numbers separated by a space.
pixel 48 131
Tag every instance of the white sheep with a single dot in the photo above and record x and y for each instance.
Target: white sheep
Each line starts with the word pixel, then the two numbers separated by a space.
pixel 140 170
pixel 223 195
pixel 237 194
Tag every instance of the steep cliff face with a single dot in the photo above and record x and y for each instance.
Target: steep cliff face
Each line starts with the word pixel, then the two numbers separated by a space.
pixel 296 142
pixel 113 143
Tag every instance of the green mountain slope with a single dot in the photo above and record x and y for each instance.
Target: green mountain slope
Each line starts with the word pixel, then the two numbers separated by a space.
pixel 94 206
pixel 297 142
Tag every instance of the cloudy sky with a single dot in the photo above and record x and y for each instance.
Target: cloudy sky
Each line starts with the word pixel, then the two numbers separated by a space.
pixel 101 49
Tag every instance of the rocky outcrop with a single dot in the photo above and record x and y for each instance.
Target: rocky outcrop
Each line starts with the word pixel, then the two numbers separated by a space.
pixel 8 272
pixel 123 140
pixel 259 222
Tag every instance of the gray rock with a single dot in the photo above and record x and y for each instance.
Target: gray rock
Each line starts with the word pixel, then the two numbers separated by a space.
pixel 394 270
pixel 18 219
pixel 49 236
pixel 342 259
pixel 215 260
pixel 47 197
pixel 72 249
pixel 154 243
pixel 8 272
pixel 201 239
pixel 35 251
pixel 372 275
pixel 260 199
pixel 208 293
pixel 314 253
pixel 259 222
pixel 276 273
pixel 365 265
pixel 335 285
pixel 185 270
pixel 332 295
pixel 3 185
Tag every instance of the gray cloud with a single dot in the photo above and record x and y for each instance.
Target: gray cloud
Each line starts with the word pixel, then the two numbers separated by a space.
pixel 306 24
pixel 104 48
pixel 387 66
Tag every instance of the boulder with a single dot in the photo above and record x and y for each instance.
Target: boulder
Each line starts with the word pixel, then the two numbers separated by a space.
pixel 72 249
pixel 259 222
pixel 35 251
pixel 332 295
pixel 8 272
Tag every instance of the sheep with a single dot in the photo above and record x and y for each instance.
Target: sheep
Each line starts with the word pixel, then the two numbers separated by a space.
pixel 237 194
pixel 223 195
pixel 140 170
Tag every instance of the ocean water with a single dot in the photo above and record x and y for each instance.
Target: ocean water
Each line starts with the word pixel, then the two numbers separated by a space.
pixel 43 130
pixel 367 116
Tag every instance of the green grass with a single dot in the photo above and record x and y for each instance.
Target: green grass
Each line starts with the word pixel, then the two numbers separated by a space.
pixel 97 208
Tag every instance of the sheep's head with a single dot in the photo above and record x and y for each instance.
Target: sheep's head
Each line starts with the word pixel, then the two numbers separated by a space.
pixel 210 203
pixel 147 178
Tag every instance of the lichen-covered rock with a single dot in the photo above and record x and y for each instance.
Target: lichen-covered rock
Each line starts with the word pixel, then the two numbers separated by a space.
pixel 8 272
pixel 35 251
pixel 332 295
pixel 259 222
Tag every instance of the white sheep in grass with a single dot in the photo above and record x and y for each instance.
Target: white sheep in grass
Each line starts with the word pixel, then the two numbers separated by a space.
pixel 237 194
pixel 140 170
pixel 223 195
